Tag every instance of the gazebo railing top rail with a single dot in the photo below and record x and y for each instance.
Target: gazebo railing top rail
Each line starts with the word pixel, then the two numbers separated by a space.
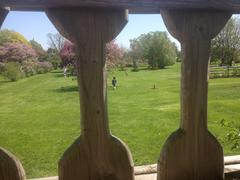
pixel 136 6
pixel 96 153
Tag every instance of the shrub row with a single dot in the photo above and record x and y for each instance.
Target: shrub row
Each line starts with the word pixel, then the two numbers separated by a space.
pixel 15 71
pixel 31 67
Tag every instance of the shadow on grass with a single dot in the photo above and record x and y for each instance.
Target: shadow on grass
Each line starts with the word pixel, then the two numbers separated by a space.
pixel 75 89
pixel 67 89
pixel 4 81
pixel 110 88
pixel 148 69
pixel 57 72
pixel 58 75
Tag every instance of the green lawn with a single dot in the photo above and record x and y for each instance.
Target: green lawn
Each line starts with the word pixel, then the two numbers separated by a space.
pixel 39 116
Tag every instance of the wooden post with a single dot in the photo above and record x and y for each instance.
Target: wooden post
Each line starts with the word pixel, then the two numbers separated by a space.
pixel 10 167
pixel 192 152
pixel 96 155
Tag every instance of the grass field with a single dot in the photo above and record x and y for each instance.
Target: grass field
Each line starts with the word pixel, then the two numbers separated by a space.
pixel 39 116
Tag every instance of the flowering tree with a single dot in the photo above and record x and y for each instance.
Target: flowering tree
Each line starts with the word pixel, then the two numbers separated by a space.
pixel 20 58
pixel 114 54
pixel 8 36
pixel 17 52
pixel 67 54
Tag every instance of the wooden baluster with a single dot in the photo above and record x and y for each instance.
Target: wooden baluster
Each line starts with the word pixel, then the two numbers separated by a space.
pixel 192 152
pixel 96 155
pixel 10 167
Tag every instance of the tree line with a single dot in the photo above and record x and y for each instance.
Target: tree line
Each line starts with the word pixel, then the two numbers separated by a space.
pixel 20 57
pixel 226 46
pixel 154 50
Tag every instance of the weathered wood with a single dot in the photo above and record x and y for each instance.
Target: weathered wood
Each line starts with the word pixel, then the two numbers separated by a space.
pixel 149 172
pixel 96 155
pixel 232 172
pixel 232 160
pixel 10 167
pixel 146 169
pixel 3 14
pixel 192 152
pixel 136 6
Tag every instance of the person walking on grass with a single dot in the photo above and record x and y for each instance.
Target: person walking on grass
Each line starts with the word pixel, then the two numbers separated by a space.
pixel 65 71
pixel 114 83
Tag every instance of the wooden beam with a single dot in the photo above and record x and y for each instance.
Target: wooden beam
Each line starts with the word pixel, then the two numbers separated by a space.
pixel 136 6
pixel 3 14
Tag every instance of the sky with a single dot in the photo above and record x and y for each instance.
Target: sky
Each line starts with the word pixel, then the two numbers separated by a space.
pixel 36 25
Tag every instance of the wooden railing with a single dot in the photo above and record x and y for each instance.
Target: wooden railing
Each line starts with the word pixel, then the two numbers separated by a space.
pixel 139 6
pixel 191 152
pixel 224 71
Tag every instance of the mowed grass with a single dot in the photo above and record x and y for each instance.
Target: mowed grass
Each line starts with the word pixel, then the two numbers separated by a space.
pixel 39 116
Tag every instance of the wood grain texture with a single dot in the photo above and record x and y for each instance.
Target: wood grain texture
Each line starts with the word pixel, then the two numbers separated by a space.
pixel 135 6
pixel 10 167
pixel 96 155
pixel 229 160
pixel 192 152
pixel 3 14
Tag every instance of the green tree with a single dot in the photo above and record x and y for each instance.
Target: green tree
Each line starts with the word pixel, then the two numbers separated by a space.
pixel 53 57
pixel 8 36
pixel 178 53
pixel 135 53
pixel 42 54
pixel 226 46
pixel 155 48
pixel 114 55
pixel 56 41
pixel 37 47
